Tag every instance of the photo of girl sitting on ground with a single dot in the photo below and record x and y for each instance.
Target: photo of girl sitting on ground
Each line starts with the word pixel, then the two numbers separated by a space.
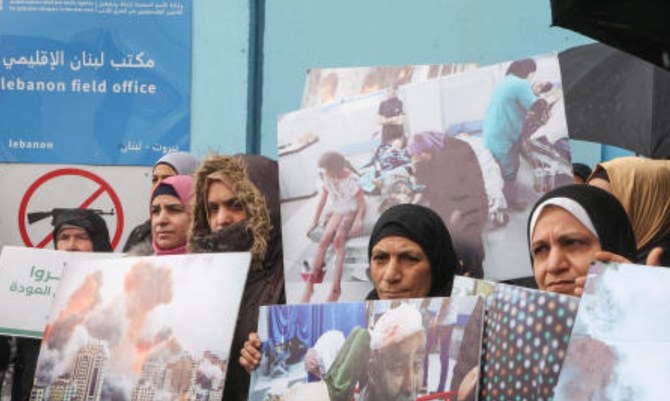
pixel 344 218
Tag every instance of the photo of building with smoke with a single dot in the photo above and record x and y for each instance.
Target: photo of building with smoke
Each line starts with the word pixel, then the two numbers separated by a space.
pixel 125 332
pixel 180 379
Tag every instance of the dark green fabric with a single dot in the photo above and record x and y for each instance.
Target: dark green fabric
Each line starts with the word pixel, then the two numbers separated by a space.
pixel 350 366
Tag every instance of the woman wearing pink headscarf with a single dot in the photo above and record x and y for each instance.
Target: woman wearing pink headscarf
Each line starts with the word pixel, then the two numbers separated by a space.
pixel 170 214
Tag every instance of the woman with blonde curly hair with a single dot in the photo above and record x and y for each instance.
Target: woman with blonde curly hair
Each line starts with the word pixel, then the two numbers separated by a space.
pixel 236 209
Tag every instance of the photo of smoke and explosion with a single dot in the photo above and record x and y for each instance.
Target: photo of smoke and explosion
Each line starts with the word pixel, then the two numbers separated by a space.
pixel 141 329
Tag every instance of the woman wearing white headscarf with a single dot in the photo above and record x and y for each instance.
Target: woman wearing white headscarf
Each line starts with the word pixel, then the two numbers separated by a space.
pixel 571 226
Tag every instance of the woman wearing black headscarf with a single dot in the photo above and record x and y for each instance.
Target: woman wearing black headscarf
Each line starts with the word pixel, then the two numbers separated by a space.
pixel 571 226
pixel 86 219
pixel 410 254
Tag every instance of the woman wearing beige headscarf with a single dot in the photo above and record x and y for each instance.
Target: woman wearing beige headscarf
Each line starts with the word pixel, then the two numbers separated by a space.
pixel 643 188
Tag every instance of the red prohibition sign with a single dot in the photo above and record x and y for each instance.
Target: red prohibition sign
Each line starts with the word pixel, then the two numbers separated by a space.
pixel 104 187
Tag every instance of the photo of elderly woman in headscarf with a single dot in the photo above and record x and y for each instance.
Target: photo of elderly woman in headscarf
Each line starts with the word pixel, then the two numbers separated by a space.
pixel 80 230
pixel 449 170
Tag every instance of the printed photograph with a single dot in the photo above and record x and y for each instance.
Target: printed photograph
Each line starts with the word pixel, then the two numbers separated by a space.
pixel 327 85
pixel 477 147
pixel 124 329
pixel 472 286
pixel 376 350
pixel 29 278
pixel 621 340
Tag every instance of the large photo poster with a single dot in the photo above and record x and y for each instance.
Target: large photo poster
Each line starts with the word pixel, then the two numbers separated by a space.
pixel 94 82
pixel 411 349
pixel 127 329
pixel 477 147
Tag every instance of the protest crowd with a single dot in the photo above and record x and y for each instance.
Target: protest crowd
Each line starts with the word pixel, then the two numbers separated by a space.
pixel 230 204
pixel 460 261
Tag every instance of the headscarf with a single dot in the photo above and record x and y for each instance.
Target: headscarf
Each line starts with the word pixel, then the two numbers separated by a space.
pixel 179 186
pixel 139 240
pixel 426 142
pixel 183 163
pixel 597 210
pixel 89 220
pixel 581 170
pixel 426 228
pixel 643 188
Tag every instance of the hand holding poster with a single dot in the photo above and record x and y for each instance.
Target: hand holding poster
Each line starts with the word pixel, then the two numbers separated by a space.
pixel 158 327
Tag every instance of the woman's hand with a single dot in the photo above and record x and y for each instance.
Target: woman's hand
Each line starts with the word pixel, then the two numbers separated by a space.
pixel 610 257
pixel 654 256
pixel 653 259
pixel 601 256
pixel 579 285
pixel 250 355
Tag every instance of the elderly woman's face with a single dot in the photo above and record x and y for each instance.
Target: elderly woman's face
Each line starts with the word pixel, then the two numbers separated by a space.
pixel 399 269
pixel 562 249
